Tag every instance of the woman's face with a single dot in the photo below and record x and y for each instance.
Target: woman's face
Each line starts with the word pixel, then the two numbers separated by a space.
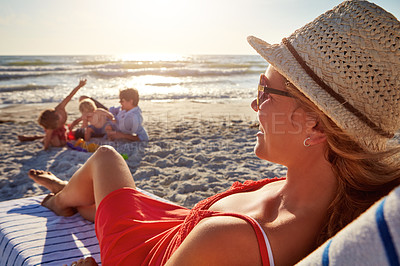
pixel 281 122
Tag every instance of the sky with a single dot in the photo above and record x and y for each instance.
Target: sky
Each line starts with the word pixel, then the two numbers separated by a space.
pixel 86 27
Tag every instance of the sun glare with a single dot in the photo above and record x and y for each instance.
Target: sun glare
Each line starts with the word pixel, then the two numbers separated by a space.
pixel 153 85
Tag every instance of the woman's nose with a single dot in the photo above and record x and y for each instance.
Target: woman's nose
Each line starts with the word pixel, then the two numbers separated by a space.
pixel 254 105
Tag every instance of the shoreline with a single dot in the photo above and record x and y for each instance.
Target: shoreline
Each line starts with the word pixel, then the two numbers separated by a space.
pixel 196 149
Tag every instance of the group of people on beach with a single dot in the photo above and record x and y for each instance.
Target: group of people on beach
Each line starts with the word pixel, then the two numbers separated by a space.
pixel 122 122
pixel 328 108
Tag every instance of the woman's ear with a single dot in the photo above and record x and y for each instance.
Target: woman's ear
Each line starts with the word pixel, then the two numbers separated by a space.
pixel 316 137
pixel 314 131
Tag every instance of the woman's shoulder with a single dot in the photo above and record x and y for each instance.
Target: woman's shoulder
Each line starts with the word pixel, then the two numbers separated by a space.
pixel 219 239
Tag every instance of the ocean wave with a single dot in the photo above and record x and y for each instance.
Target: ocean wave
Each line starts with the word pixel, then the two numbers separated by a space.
pixel 18 99
pixel 130 64
pixel 106 69
pixel 38 79
pixel 32 73
pixel 33 70
pixel 212 64
pixel 27 87
pixel 9 76
pixel 36 62
pixel 89 63
pixel 109 73
pixel 188 83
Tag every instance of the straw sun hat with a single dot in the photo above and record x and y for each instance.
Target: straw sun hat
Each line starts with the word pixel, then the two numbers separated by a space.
pixel 347 62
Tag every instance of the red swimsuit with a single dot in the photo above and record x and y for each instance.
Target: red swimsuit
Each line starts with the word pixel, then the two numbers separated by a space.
pixel 60 133
pixel 135 229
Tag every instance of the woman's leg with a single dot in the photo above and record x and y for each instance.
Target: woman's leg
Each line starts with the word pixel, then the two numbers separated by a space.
pixel 104 172
pixel 48 180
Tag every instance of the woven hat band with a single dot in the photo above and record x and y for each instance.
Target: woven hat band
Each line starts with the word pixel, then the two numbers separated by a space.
pixel 332 93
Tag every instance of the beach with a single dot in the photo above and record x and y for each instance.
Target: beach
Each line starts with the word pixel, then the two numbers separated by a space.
pixel 196 149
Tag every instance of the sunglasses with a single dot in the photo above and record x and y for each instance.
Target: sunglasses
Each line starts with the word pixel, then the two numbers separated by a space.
pixel 264 92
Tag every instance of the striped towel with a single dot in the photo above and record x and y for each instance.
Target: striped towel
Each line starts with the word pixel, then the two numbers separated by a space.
pixel 31 234
pixel 371 239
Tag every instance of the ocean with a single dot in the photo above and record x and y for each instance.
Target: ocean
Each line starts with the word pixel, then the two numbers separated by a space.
pixel 44 79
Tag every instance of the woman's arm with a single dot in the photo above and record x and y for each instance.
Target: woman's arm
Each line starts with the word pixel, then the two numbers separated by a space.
pixel 221 240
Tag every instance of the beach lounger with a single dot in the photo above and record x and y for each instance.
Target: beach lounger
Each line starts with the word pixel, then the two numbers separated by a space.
pixel 372 239
pixel 31 234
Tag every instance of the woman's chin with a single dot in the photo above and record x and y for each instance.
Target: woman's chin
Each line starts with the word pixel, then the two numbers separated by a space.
pixel 258 151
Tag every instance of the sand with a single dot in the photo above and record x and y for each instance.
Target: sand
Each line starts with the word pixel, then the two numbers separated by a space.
pixel 196 149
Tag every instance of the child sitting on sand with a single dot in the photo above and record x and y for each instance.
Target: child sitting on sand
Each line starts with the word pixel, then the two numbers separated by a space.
pixel 53 122
pixel 94 119
pixel 128 118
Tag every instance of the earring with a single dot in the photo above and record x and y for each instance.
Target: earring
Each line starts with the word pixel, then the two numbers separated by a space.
pixel 305 144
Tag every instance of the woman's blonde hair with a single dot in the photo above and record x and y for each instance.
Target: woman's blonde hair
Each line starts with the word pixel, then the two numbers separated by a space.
pixel 363 176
